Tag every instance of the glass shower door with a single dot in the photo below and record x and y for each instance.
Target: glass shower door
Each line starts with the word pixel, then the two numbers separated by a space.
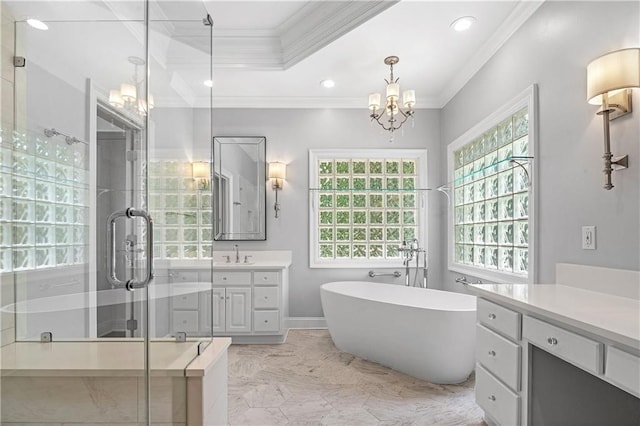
pixel 81 254
pixel 78 202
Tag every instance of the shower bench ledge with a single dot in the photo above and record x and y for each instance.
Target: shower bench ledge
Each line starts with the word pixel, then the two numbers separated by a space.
pixel 98 381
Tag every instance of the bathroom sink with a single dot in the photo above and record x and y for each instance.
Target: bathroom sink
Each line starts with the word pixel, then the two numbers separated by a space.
pixel 232 264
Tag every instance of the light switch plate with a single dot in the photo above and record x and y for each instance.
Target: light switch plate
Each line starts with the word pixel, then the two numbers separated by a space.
pixel 588 237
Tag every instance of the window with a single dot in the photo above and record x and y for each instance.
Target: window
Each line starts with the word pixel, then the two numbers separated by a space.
pixel 363 204
pixel 43 202
pixel 181 212
pixel 491 223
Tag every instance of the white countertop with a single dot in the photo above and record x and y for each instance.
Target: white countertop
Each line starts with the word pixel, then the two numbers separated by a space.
pixel 103 357
pixel 266 259
pixel 613 317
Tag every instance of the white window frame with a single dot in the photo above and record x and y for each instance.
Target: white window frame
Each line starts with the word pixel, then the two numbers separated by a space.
pixel 420 155
pixel 527 98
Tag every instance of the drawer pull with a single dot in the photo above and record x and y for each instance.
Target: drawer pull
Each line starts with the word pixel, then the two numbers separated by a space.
pixel 492 316
pixel 492 353
pixel 265 278
pixel 492 398
pixel 552 341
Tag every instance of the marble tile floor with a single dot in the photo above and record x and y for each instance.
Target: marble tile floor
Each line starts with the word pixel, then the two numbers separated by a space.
pixel 308 381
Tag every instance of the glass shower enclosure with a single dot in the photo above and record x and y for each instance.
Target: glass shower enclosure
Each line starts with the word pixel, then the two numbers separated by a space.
pixel 98 201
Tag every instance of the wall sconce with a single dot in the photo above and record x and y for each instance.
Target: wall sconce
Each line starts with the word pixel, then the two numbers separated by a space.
pixel 609 81
pixel 201 173
pixel 277 174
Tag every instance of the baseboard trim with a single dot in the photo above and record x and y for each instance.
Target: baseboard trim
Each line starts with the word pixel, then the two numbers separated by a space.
pixel 306 322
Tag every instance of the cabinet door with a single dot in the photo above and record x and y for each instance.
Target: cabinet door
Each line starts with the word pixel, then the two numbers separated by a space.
pixel 238 309
pixel 217 309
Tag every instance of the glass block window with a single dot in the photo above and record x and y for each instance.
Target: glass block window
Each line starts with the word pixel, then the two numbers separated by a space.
pixel 43 202
pixel 492 184
pixel 181 211
pixel 364 204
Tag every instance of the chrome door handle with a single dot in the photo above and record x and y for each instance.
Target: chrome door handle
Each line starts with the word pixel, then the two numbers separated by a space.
pixel 111 248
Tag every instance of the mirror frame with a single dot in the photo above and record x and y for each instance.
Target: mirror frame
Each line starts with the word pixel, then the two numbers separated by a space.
pixel 217 191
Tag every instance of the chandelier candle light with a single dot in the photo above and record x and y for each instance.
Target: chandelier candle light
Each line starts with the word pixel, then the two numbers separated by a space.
pixel 128 96
pixel 396 115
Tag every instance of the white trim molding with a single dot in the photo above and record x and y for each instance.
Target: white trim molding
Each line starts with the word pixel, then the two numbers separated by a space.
pixel 527 98
pixel 306 322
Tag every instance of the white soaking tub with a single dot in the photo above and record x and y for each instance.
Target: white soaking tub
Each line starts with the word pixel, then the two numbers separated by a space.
pixel 428 334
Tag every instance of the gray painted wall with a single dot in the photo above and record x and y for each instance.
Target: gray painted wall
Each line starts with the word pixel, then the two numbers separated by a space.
pixel 290 134
pixel 553 49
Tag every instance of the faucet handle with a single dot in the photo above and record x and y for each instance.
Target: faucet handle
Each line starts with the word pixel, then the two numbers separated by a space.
pixel 228 258
pixel 246 258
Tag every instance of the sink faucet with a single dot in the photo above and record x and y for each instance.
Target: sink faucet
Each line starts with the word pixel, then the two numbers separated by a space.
pixel 235 246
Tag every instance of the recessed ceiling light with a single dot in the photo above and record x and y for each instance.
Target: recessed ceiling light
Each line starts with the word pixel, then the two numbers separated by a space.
pixel 463 24
pixel 208 83
pixel 327 84
pixel 37 24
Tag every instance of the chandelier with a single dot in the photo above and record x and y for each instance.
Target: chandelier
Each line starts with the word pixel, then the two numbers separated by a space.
pixel 395 115
pixel 128 96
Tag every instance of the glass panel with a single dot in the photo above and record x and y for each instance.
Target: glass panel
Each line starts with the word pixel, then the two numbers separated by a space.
pixel 54 206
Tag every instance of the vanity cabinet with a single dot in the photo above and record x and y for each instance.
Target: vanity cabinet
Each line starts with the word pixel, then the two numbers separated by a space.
pixel 231 308
pixel 246 302
pixel 530 352
pixel 498 362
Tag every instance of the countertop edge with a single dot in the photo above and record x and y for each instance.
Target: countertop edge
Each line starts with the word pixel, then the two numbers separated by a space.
pixel 199 366
pixel 630 341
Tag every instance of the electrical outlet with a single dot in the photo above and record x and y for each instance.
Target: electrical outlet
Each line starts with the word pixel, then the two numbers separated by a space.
pixel 588 237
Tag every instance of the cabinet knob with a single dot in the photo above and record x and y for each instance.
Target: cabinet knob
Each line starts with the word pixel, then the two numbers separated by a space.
pixel 492 398
pixel 224 278
pixel 492 316
pixel 266 297
pixel 552 341
pixel 492 353
pixel 266 321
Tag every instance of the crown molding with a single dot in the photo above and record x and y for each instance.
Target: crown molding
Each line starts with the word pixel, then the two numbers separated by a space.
pixel 278 102
pixel 319 23
pixel 305 32
pixel 520 14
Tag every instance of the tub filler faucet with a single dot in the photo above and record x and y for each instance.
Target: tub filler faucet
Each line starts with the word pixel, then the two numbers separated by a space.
pixel 409 250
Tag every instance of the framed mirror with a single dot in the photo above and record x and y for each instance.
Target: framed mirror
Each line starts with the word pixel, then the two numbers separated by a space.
pixel 239 188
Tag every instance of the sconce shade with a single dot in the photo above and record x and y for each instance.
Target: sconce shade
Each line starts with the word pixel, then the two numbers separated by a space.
pixel 201 170
pixel 277 170
pixel 614 71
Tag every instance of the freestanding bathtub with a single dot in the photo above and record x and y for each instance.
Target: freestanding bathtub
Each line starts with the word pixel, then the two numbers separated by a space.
pixel 428 334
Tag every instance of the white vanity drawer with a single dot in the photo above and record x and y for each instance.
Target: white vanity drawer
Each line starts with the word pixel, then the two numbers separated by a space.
pixel 266 320
pixel 223 277
pixel 186 321
pixel 186 301
pixel 183 276
pixel 265 298
pixel 498 355
pixel 500 319
pixel 266 278
pixel 579 350
pixel 496 399
pixel 623 369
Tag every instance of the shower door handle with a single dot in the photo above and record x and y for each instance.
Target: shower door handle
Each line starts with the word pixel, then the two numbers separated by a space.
pixel 111 249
